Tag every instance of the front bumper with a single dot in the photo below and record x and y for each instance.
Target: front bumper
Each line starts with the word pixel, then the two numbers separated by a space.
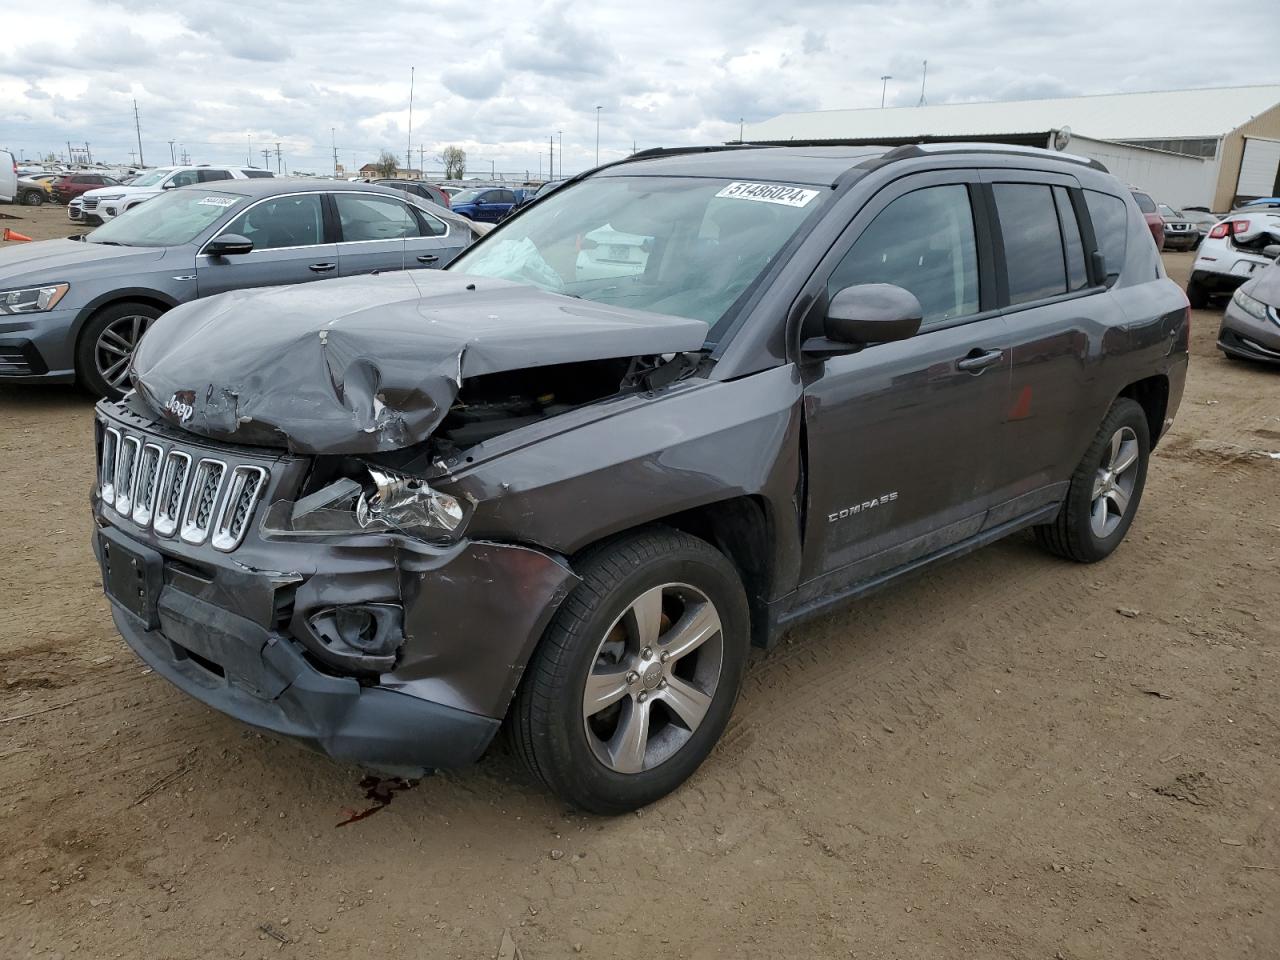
pixel 236 630
pixel 38 347
pixel 1241 335
pixel 262 678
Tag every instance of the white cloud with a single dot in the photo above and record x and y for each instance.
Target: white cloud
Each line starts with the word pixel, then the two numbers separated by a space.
pixel 503 76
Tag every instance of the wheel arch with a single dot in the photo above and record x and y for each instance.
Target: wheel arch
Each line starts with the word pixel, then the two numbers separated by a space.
pixel 1152 394
pixel 739 527
pixel 147 295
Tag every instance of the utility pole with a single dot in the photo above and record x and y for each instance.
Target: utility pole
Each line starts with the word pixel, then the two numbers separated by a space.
pixel 422 162
pixel 551 163
pixel 924 75
pixel 173 157
pixel 277 156
pixel 88 156
pixel 740 125
pixel 266 159
pixel 137 126
pixel 560 135
pixel 884 87
pixel 493 175
pixel 333 139
pixel 598 108
pixel 408 154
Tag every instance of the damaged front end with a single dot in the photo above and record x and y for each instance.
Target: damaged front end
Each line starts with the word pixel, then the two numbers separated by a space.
pixel 275 519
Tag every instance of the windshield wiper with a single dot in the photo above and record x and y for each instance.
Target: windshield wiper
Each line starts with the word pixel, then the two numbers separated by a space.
pixel 111 243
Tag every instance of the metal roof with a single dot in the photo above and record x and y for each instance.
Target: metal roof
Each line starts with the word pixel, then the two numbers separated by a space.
pixel 1170 114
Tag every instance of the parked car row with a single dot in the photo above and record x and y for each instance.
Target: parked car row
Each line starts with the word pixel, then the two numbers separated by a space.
pixel 75 309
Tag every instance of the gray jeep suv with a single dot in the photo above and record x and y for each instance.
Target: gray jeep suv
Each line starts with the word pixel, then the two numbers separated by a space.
pixel 676 407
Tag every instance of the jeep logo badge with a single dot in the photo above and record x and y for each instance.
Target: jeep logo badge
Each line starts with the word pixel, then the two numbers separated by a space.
pixel 180 405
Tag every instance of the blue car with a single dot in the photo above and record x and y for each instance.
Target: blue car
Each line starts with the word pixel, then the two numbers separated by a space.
pixel 485 204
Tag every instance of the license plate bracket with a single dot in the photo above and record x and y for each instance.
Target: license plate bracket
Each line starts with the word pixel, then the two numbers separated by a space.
pixel 132 576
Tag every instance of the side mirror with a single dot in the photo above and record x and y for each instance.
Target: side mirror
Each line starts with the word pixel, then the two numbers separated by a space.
pixel 168 185
pixel 1271 251
pixel 228 245
pixel 867 313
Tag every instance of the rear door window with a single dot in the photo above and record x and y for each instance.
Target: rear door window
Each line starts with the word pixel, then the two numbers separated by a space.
pixel 923 241
pixel 1033 252
pixel 208 175
pixel 373 217
pixel 1110 227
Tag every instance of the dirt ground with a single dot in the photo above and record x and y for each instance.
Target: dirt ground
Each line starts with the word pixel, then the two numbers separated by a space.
pixel 1012 756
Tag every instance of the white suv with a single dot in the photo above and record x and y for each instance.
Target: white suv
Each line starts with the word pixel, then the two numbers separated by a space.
pixel 107 203
pixel 1232 252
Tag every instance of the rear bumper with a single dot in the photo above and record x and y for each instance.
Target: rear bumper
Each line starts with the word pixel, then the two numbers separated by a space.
pixel 1217 282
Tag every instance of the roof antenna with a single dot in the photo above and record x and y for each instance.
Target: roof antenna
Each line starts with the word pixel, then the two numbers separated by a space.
pixel 923 77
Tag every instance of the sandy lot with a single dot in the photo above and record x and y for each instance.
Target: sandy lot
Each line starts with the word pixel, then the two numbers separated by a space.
pixel 991 761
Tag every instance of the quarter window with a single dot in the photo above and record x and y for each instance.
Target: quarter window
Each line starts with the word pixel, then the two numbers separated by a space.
pixel 374 218
pixel 1073 244
pixel 924 242
pixel 1033 253
pixel 207 175
pixel 294 221
pixel 1110 226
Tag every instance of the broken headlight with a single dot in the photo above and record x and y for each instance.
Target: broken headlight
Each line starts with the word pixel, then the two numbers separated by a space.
pixel 406 503
pixel 384 500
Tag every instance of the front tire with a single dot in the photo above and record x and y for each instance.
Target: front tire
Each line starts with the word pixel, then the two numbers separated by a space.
pixel 637 674
pixel 32 198
pixel 1105 489
pixel 106 346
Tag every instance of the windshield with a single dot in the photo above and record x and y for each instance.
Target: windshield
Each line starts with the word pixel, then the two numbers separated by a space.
pixel 151 179
pixel 687 247
pixel 171 219
pixel 1145 203
pixel 1168 211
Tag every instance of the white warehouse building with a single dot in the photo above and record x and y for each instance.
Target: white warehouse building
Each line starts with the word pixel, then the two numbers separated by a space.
pixel 1210 148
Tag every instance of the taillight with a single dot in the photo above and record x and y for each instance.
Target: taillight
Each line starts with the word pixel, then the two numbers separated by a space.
pixel 1239 226
pixel 1219 231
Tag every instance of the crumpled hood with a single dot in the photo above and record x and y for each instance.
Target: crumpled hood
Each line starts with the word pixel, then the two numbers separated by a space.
pixel 45 261
pixel 373 363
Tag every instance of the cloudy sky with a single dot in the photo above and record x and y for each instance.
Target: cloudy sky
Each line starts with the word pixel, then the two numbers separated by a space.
pixel 497 78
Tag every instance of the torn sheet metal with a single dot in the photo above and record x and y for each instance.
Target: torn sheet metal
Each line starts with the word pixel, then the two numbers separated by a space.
pixel 371 363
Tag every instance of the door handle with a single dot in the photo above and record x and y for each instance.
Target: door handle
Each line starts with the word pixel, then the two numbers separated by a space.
pixel 428 258
pixel 322 267
pixel 978 360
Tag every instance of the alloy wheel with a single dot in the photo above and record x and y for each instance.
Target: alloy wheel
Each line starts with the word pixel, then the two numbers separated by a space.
pixel 115 347
pixel 1113 485
pixel 653 678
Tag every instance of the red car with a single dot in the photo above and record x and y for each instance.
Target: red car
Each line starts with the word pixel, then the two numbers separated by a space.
pixel 70 185
pixel 1155 222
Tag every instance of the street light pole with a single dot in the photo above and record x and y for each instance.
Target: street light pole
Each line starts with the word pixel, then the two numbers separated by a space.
pixel 598 136
pixel 884 86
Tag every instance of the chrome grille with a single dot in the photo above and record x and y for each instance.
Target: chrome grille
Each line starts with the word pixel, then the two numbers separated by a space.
pixel 107 465
pixel 144 494
pixel 126 473
pixel 173 487
pixel 242 495
pixel 159 486
pixel 206 484
pixel 89 203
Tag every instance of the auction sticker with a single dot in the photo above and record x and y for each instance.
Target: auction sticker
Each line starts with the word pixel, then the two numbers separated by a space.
pixel 769 193
pixel 217 201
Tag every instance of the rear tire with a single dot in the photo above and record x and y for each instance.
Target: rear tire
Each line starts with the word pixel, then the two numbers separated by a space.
pixel 106 346
pixel 653 641
pixel 1105 489
pixel 1197 295
pixel 32 198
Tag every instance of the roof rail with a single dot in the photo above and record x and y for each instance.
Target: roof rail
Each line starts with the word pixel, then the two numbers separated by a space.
pixel 933 149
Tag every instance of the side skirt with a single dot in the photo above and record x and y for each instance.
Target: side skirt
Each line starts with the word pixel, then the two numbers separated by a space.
pixel 783 616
